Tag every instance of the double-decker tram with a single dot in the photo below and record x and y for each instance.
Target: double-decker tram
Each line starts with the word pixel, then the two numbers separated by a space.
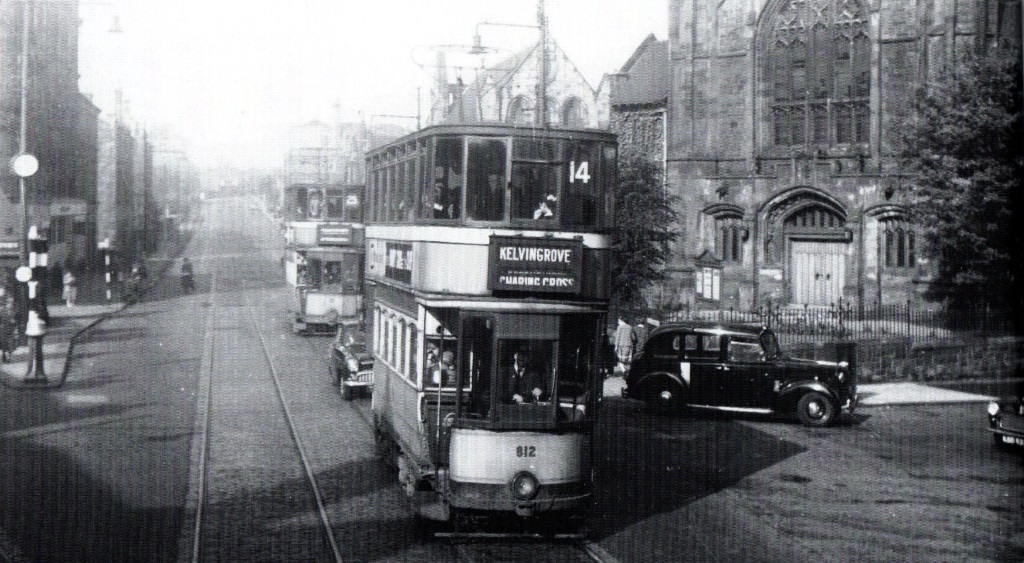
pixel 487 288
pixel 324 255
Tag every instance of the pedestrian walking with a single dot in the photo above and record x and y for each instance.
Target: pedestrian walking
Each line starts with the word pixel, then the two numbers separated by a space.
pixel 8 326
pixel 639 335
pixel 70 294
pixel 623 345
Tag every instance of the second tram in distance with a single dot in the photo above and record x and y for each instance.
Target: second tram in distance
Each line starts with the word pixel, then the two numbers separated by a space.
pixel 324 255
pixel 487 253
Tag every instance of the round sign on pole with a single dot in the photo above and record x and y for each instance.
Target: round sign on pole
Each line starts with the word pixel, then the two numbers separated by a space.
pixel 23 274
pixel 24 165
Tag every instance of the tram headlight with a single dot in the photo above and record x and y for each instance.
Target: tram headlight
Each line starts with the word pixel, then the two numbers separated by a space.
pixel 993 409
pixel 524 486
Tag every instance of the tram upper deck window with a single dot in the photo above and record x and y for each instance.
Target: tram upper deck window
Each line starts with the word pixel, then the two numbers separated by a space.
pixel 582 188
pixel 536 176
pixel 485 196
pixel 352 208
pixel 446 198
pixel 559 182
pixel 334 207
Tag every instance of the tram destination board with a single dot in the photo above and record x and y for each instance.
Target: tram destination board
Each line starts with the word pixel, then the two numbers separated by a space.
pixel 536 265
pixel 337 234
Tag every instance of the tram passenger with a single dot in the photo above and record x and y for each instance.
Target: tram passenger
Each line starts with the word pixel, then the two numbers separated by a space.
pixel 446 369
pixel 446 201
pixel 439 367
pixel 546 208
pixel 525 384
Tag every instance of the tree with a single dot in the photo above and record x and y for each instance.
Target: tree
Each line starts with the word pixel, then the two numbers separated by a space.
pixel 644 215
pixel 964 150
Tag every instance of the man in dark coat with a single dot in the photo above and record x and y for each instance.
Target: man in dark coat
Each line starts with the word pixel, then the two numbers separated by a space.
pixel 525 385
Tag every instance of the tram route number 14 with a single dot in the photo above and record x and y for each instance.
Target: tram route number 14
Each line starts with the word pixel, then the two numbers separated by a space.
pixel 526 451
pixel 581 173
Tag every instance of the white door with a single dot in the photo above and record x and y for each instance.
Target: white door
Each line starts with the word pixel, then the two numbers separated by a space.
pixel 818 272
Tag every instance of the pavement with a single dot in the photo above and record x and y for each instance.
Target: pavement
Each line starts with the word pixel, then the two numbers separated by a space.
pixel 66 323
pixel 872 394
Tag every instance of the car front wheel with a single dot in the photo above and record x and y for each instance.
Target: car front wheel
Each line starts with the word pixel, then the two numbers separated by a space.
pixel 816 409
pixel 664 397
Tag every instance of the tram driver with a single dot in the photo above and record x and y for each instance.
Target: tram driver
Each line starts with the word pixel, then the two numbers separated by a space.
pixel 525 381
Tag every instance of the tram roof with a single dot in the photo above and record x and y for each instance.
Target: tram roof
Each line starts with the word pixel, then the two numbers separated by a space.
pixel 499 129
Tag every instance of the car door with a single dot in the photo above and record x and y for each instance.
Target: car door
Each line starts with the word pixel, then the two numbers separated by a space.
pixel 748 379
pixel 703 359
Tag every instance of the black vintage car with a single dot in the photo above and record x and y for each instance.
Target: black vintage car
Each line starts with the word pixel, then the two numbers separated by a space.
pixel 1006 421
pixel 349 363
pixel 736 367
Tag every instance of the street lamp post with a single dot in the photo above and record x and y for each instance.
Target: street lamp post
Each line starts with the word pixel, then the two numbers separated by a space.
pixel 28 163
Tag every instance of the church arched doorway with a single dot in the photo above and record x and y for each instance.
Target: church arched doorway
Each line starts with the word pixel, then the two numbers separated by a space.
pixel 806 235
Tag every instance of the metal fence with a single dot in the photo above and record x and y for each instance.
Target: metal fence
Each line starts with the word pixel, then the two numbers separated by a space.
pixel 845 322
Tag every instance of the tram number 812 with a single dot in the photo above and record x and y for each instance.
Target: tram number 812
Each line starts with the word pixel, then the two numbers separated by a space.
pixel 526 451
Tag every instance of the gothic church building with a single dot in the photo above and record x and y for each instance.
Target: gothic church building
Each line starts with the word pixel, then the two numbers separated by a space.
pixel 783 116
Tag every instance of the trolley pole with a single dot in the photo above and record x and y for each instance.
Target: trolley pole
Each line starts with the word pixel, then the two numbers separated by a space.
pixel 35 326
pixel 542 83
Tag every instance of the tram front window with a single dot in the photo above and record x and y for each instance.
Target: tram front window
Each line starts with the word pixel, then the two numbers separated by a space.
pixel 332 275
pixel 522 371
pixel 314 273
pixel 524 377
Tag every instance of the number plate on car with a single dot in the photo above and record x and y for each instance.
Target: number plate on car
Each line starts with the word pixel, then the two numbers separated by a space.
pixel 1013 440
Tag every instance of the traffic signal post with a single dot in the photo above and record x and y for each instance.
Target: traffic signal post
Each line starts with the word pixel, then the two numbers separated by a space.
pixel 33 276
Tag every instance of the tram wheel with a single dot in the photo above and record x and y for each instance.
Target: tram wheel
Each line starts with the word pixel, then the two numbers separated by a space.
pixel 384 448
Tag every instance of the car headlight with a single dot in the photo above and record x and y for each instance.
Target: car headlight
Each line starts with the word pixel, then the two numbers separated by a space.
pixel 353 366
pixel 524 486
pixel 993 409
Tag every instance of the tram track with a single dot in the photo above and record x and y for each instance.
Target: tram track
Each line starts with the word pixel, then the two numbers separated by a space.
pixel 306 466
pixel 494 550
pixel 221 478
pixel 261 389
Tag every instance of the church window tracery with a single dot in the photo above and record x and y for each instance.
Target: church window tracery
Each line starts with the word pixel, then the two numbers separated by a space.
pixel 819 69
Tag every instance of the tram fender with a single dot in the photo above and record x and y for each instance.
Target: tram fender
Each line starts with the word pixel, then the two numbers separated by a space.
pixel 430 506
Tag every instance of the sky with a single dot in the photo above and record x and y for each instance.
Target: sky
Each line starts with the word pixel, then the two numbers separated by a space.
pixel 232 76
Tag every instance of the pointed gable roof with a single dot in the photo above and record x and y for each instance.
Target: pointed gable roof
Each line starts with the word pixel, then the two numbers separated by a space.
pixel 466 107
pixel 647 75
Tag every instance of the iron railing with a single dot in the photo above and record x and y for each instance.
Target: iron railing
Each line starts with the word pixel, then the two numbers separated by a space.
pixel 846 322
